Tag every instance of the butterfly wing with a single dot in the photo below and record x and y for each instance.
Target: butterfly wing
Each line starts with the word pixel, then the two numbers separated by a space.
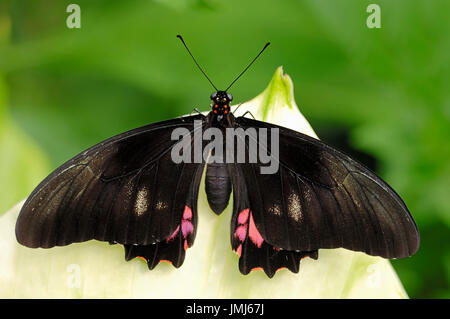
pixel 123 190
pixel 254 252
pixel 320 198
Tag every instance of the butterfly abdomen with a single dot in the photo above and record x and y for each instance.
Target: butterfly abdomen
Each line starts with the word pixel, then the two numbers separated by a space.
pixel 217 186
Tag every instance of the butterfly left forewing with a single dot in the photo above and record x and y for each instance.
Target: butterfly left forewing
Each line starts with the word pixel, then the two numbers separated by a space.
pixel 118 191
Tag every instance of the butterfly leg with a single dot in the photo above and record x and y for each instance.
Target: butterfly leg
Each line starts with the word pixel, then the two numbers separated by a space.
pixel 196 110
pixel 237 108
pixel 248 112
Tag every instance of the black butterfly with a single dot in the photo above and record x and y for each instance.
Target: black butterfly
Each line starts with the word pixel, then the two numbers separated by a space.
pixel 128 190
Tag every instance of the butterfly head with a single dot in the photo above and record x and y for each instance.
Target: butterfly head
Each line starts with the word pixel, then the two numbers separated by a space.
pixel 221 102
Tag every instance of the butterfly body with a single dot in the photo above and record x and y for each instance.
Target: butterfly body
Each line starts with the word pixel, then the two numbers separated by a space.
pixel 218 182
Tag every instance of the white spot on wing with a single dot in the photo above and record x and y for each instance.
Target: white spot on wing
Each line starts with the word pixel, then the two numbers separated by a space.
pixel 275 210
pixel 141 204
pixel 294 207
pixel 161 205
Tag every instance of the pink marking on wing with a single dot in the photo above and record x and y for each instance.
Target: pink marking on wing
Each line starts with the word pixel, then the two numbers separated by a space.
pixel 187 214
pixel 254 234
pixel 239 250
pixel 241 232
pixel 174 234
pixel 186 246
pixel 243 216
pixel 186 228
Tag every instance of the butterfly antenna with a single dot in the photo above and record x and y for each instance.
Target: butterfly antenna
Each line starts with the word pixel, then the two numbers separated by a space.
pixel 184 43
pixel 267 44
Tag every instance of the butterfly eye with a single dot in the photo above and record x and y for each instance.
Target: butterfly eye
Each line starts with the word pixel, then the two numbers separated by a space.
pixel 213 96
pixel 230 97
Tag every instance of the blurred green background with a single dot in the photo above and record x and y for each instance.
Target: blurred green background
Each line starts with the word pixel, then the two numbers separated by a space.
pixel 382 95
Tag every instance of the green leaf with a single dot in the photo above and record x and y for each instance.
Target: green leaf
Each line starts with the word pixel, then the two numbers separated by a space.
pixel 96 269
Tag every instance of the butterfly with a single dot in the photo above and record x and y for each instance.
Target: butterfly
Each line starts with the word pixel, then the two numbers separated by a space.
pixel 128 190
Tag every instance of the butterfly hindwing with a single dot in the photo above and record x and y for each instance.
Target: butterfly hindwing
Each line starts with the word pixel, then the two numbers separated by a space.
pixel 118 191
pixel 173 248
pixel 254 252
pixel 321 198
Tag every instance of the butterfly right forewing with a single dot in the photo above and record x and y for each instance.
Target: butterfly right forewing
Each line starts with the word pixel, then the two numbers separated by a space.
pixel 321 198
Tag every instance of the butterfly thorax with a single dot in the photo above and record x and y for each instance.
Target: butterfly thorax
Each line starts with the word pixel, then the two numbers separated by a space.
pixel 221 102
